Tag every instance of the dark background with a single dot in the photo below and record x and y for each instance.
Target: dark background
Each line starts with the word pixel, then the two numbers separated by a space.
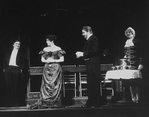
pixel 31 20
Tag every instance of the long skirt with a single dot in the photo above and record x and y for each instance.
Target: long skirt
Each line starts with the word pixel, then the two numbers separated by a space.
pixel 50 92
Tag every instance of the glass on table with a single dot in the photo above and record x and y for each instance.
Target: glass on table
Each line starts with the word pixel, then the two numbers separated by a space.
pixel 113 67
pixel 117 67
pixel 129 66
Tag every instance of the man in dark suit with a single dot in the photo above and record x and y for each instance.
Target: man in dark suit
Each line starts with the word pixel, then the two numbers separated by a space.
pixel 92 60
pixel 12 66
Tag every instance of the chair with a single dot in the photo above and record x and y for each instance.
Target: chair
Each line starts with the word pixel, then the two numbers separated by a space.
pixel 104 68
pixel 106 84
pixel 82 82
pixel 69 81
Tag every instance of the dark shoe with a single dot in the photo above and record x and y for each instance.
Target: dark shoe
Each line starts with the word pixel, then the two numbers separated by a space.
pixel 97 106
pixel 89 106
pixel 15 105
pixel 86 106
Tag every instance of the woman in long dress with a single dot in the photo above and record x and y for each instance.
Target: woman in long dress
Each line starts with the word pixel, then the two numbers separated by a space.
pixel 134 60
pixel 51 84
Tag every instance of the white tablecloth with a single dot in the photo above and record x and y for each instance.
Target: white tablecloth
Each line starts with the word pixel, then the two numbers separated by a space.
pixel 123 74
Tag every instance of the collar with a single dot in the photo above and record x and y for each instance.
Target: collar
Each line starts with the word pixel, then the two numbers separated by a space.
pixel 89 36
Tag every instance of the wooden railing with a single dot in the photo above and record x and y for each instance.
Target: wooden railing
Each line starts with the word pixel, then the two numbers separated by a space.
pixel 38 70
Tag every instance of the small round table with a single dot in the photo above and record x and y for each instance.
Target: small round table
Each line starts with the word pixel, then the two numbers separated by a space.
pixel 123 77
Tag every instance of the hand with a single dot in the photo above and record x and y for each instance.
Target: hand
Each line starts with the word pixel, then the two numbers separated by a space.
pixel 140 67
pixel 79 54
pixel 21 70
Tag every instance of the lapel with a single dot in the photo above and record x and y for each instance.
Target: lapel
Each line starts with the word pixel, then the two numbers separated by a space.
pixel 18 55
pixel 87 43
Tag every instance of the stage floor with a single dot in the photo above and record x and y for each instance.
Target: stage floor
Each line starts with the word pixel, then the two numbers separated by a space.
pixel 72 111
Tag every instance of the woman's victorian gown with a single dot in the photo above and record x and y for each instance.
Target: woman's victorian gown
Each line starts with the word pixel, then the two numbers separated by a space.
pixel 51 82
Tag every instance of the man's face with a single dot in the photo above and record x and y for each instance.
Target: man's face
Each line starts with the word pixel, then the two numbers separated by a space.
pixel 16 45
pixel 85 34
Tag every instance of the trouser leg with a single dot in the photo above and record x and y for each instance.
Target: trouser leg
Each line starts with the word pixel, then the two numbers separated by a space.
pixel 93 87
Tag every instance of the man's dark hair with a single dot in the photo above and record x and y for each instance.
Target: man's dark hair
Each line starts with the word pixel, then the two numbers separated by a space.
pixel 87 29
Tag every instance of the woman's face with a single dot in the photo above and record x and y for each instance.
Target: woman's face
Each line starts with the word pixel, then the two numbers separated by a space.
pixel 130 35
pixel 49 42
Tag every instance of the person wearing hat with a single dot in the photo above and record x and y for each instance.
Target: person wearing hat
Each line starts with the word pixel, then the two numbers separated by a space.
pixel 134 60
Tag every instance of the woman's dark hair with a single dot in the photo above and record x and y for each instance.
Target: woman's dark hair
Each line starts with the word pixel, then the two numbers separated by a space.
pixel 51 37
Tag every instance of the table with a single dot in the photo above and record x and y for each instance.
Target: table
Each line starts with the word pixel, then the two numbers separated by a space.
pixel 121 76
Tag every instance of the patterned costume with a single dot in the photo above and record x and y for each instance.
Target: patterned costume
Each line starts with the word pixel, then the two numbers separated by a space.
pixel 131 53
pixel 51 83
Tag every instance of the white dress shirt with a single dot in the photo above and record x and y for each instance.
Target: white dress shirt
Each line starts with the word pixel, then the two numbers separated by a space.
pixel 13 56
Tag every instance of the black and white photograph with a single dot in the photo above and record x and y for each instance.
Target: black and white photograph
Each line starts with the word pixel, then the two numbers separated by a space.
pixel 74 58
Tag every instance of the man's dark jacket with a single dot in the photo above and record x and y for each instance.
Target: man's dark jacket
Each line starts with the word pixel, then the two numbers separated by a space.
pixel 19 59
pixel 92 55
